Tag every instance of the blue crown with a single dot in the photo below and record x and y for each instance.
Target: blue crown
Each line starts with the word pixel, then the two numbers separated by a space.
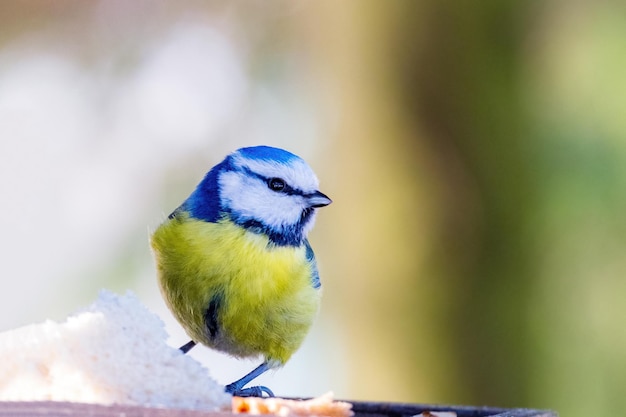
pixel 267 153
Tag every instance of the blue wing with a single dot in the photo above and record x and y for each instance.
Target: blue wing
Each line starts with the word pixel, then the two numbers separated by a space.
pixel 310 256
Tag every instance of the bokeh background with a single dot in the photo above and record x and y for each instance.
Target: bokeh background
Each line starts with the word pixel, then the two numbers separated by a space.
pixel 475 252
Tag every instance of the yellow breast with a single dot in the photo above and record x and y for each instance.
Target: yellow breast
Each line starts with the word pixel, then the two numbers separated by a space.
pixel 266 300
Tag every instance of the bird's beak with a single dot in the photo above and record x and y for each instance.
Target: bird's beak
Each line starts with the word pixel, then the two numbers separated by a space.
pixel 318 199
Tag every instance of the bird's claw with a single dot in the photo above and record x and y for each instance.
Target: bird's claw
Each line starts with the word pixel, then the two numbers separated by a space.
pixel 256 391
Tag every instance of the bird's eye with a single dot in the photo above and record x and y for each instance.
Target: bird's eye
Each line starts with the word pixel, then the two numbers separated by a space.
pixel 276 184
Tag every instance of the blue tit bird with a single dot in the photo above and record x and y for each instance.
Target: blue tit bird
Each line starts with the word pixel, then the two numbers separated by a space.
pixel 234 263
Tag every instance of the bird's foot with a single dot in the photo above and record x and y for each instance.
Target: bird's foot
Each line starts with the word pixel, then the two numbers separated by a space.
pixel 237 388
pixel 257 391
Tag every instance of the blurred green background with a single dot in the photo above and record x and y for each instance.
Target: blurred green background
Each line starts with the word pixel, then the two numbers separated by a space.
pixel 475 153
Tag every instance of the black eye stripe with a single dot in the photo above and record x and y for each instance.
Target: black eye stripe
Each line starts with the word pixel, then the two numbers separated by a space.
pixel 287 189
pixel 283 188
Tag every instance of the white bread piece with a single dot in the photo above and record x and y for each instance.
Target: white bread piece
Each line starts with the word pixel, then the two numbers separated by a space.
pixel 113 352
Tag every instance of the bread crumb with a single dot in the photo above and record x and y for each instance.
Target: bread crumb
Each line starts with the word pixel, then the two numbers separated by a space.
pixel 323 405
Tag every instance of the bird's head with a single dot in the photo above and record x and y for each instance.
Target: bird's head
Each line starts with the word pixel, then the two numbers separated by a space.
pixel 263 189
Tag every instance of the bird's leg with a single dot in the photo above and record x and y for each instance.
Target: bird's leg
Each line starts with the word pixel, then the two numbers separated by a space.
pixel 237 387
pixel 187 346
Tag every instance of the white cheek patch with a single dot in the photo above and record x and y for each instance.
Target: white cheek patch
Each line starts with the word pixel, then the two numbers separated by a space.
pixel 251 199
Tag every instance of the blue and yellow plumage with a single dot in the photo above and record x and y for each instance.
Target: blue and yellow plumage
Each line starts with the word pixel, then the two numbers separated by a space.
pixel 234 263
